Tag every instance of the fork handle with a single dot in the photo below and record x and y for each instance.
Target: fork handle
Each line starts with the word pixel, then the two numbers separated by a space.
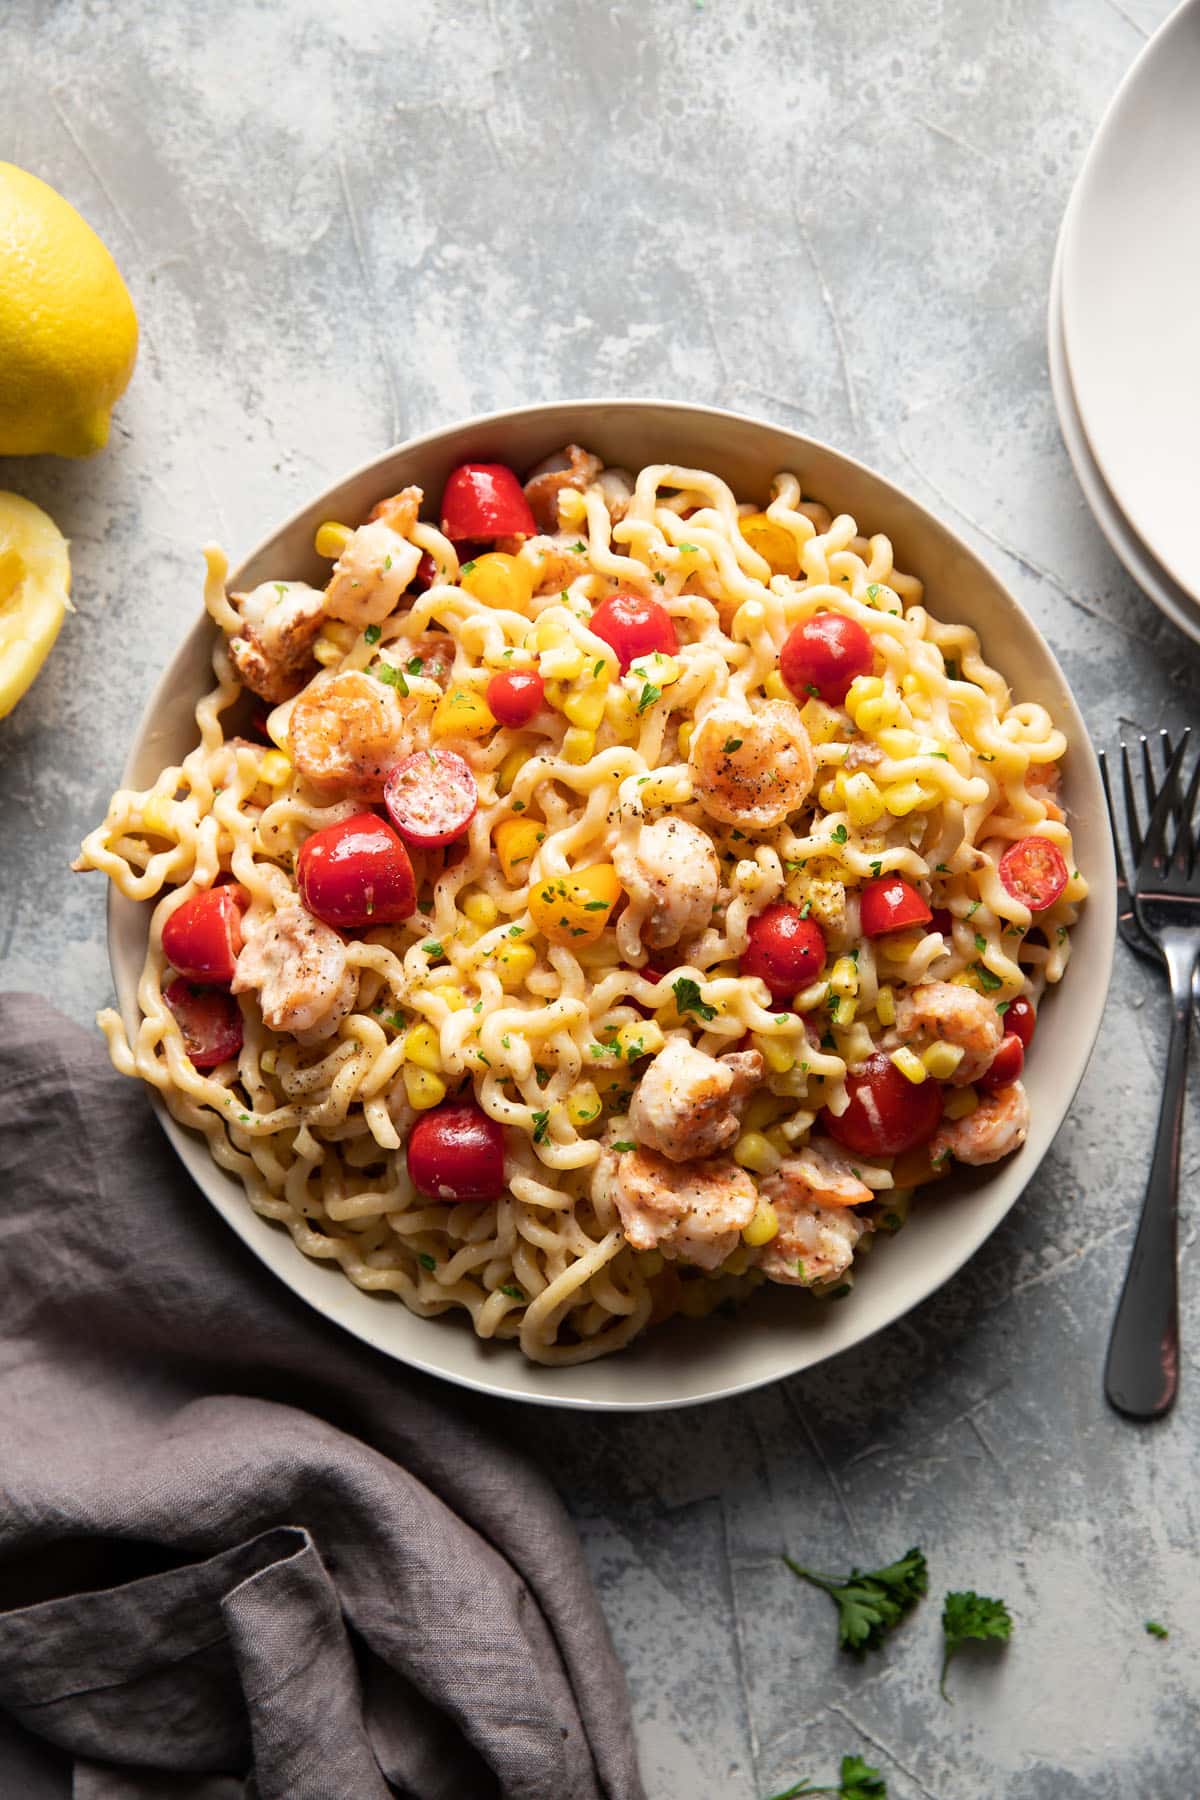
pixel 1142 1373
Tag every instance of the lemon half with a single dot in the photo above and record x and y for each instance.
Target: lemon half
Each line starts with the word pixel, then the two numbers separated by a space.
pixel 35 580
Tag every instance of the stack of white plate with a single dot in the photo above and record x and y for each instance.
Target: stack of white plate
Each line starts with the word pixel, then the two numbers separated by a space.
pixel 1124 328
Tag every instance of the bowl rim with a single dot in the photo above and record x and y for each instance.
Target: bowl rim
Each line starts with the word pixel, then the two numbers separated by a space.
pixel 292 1266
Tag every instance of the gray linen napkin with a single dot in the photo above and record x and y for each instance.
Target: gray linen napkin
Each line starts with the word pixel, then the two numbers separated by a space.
pixel 240 1553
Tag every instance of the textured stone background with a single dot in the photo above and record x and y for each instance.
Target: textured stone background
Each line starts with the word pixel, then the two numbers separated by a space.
pixel 344 223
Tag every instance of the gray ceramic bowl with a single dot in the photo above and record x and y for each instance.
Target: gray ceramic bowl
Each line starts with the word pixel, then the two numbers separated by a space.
pixel 780 1331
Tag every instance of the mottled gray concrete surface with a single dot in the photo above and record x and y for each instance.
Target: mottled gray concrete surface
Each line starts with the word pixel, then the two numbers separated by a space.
pixel 344 223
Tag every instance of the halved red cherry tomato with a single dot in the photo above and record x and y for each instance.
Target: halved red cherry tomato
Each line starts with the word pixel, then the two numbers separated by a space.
pixel 1005 1066
pixel 203 938
pixel 823 655
pixel 356 873
pixel 1021 1019
pixel 456 1152
pixel 485 500
pixel 1034 872
pixel 785 949
pixel 515 698
pixel 889 903
pixel 427 573
pixel 431 797
pixel 210 1022
pixel 887 1114
pixel 633 627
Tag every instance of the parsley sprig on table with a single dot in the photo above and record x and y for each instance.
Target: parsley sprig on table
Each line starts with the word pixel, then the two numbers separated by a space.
pixel 858 1781
pixel 871 1602
pixel 969 1615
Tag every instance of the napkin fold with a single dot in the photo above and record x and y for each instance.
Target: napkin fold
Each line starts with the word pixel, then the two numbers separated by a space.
pixel 242 1556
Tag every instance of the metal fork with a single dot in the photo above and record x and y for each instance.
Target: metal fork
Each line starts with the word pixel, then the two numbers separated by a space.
pixel 1127 924
pixel 1142 1373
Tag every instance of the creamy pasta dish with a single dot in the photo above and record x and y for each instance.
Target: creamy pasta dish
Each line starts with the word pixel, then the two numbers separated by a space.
pixel 597 902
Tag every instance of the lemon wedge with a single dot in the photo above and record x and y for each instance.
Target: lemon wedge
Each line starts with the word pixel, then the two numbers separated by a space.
pixel 35 580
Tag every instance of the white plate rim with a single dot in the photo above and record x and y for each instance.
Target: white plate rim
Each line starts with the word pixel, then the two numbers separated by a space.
pixel 273 1246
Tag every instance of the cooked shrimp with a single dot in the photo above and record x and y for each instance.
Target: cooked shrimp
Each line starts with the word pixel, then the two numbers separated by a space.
pixel 996 1128
pixel 689 1104
pixel 299 967
pixel 280 622
pixel 559 563
pixel 695 1213
pixel 751 768
pixel 567 468
pixel 671 875
pixel 958 1015
pixel 1042 782
pixel 401 511
pixel 813 1244
pixel 371 575
pixel 347 732
pixel 819 1173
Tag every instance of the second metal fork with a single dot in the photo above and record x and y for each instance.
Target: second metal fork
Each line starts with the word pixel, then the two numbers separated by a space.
pixel 1142 1373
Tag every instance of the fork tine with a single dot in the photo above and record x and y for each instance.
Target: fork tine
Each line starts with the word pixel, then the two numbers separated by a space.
pixel 1129 795
pixel 1149 780
pixel 1118 857
pixel 1185 823
pixel 1156 859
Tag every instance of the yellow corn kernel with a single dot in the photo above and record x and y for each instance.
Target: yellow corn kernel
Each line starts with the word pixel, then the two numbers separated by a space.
pixel 462 713
pixel 774 543
pixel 421 1046
pixel 775 1052
pixel 777 1136
pixel 960 1103
pixel 583 1105
pixel 326 651
pixel 910 1065
pixel 941 1059
pixel 969 979
pixel 566 908
pixel 904 797
pixel 684 737
pixel 898 946
pixel 585 706
pixel 829 794
pixel 899 743
pixel 423 1088
pixel 821 722
pixel 763 1110
pixel 498 580
pixel 551 634
pixel 266 1062
pixel 762 1227
pixel 776 688
pixel 578 746
pixel 843 977
pixel 844 1012
pixel 516 844
pixel 736 1263
pixel 651 1262
pixel 863 687
pixel 481 909
pixel 878 715
pixel 885 1006
pixel 854 1043
pixel 752 1151
pixel 643 1039
pixel 656 667
pixel 331 539
pixel 864 802
pixel 467 933
pixel 158 816
pixel 513 964
pixel 620 712
pixel 451 997
pixel 510 768
pixel 275 769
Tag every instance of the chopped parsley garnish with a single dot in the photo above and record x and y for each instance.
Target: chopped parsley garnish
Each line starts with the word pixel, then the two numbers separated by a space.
pixel 506 1042
pixel 596 906
pixel 514 1293
pixel 969 1615
pixel 952 668
pixel 650 694
pixel 518 806
pixel 387 563
pixel 659 577
pixel 840 835
pixel 873 591
pixel 372 634
pixel 811 688
pixel 624 1144
pixel 426 1261
pixel 433 949
pixel 579 548
pixel 541 1125
pixel 987 980
pixel 1156 1630
pixel 414 665
pixel 466 568
pixel 806 909
pixel 974 908
pixel 1002 1007
pixel 690 548
pixel 597 668
pixel 391 677
pixel 877 868
pixel 980 943
pixel 858 1781
pixel 687 999
pixel 730 745
pixel 281 588
pixel 870 1603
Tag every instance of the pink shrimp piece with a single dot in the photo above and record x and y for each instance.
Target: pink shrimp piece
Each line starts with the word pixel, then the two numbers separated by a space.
pixel 998 1126
pixel 688 1105
pixel 695 1212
